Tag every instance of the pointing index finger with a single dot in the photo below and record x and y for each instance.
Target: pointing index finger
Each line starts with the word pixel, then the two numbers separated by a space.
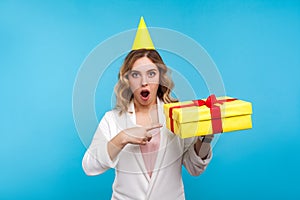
pixel 154 127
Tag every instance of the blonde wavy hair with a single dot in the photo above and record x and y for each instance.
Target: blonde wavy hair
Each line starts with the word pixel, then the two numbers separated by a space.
pixel 122 89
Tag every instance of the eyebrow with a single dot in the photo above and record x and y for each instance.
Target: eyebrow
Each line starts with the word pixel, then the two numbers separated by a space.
pixel 137 71
pixel 134 71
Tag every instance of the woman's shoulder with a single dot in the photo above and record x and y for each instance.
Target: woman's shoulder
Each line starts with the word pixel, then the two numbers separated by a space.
pixel 112 114
pixel 115 120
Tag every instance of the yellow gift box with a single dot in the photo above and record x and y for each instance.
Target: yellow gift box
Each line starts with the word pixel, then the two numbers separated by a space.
pixel 208 116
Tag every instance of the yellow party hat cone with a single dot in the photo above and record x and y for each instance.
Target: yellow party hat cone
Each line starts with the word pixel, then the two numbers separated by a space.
pixel 142 38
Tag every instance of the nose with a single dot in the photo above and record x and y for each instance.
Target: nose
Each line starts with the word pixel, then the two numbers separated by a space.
pixel 144 81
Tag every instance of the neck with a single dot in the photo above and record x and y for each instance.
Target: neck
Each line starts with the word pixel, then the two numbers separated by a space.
pixel 144 108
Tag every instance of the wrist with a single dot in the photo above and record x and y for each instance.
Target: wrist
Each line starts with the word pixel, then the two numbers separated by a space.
pixel 123 138
pixel 204 150
pixel 207 139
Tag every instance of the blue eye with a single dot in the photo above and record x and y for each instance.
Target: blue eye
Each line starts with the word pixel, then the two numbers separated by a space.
pixel 152 73
pixel 134 75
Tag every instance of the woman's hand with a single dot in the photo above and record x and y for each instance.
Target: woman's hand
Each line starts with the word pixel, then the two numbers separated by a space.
pixel 202 147
pixel 136 135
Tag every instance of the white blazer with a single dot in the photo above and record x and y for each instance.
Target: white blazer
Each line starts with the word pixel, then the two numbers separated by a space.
pixel 132 181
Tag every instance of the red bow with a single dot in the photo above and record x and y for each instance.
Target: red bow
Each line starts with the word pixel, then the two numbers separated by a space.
pixel 215 111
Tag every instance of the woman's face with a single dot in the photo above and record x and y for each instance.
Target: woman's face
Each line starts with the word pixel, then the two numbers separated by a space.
pixel 144 81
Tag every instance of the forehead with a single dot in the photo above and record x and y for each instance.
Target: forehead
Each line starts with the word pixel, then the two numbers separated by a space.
pixel 143 64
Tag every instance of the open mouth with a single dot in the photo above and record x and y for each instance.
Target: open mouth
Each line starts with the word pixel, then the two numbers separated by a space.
pixel 145 94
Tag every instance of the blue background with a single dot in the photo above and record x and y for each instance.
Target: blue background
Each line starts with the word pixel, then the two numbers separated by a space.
pixel 255 44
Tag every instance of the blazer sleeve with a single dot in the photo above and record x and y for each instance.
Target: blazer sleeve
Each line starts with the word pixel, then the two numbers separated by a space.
pixel 96 159
pixel 192 162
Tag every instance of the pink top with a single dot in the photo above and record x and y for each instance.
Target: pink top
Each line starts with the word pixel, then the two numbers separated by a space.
pixel 150 150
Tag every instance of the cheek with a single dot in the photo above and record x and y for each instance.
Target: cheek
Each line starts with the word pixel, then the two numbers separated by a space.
pixel 154 87
pixel 154 80
pixel 134 84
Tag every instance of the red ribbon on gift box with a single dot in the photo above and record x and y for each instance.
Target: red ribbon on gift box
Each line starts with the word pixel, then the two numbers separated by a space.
pixel 215 111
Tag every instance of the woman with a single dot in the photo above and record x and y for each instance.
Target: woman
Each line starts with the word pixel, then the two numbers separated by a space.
pixel 132 138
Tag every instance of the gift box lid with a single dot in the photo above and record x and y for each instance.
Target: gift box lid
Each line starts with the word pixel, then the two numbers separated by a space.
pixel 193 113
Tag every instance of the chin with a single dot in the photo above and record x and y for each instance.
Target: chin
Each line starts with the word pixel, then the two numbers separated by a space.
pixel 142 102
pixel 146 103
